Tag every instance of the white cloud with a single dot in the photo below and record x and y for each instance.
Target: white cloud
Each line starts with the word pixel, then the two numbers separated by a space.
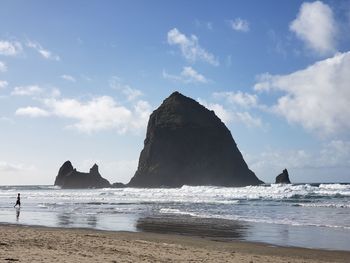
pixel 88 116
pixel 277 159
pixel 32 112
pixel 187 75
pixel 190 47
pixel 239 98
pixel 316 97
pixel 263 82
pixel 225 115
pixel 240 25
pixel 26 90
pixel 246 118
pixel 3 67
pixel 228 116
pixel 238 105
pixel 335 153
pixel 101 113
pixel 269 163
pixel 315 25
pixel 55 93
pixel 43 52
pixel 8 48
pixel 332 155
pixel 68 78
pixel 3 84
pixel 130 93
pixel 11 167
pixel 192 76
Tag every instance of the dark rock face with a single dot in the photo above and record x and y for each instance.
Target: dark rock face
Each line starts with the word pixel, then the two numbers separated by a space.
pixel 65 169
pixel 187 144
pixel 68 177
pixel 118 185
pixel 283 178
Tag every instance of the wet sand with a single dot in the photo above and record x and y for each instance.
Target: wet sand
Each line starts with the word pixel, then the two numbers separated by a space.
pixel 42 244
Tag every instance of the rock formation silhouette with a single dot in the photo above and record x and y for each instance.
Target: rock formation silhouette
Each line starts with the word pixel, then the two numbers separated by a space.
pixel 283 178
pixel 187 144
pixel 68 177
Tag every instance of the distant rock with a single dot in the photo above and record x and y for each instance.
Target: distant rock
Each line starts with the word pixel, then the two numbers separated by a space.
pixel 283 178
pixel 187 144
pixel 68 177
pixel 118 185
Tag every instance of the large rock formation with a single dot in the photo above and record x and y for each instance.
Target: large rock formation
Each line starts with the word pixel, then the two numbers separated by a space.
pixel 187 144
pixel 68 177
pixel 65 169
pixel 283 178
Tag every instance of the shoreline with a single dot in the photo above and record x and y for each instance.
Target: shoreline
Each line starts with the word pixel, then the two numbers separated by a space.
pixel 223 230
pixel 42 244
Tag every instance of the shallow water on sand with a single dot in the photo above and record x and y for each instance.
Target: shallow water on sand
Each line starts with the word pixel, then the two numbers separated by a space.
pixel 304 215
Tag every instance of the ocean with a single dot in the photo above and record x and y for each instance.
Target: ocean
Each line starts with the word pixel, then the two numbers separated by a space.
pixel 303 215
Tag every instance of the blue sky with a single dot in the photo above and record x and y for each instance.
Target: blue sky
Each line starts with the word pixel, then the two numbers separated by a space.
pixel 79 79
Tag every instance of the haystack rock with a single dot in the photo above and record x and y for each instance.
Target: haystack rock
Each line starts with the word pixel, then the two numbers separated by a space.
pixel 65 169
pixel 68 177
pixel 283 178
pixel 187 144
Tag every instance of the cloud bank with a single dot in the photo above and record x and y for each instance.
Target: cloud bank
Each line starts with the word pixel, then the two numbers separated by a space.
pixel 316 97
pixel 98 114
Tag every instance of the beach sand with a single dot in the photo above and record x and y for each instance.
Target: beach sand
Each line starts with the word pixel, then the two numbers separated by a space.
pixel 41 244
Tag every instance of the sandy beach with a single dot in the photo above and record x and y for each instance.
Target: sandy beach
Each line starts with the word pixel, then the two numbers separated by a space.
pixel 41 244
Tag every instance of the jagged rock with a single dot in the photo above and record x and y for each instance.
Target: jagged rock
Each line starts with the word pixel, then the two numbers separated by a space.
pixel 187 144
pixel 118 185
pixel 68 177
pixel 283 178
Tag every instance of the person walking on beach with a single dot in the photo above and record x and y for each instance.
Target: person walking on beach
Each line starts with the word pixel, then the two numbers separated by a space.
pixel 18 202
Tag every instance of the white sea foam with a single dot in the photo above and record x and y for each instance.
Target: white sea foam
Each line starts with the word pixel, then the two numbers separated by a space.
pixel 302 204
pixel 176 212
pixel 279 221
pixel 327 205
pixel 197 194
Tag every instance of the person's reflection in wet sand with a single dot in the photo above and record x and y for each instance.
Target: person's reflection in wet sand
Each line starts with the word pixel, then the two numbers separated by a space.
pixel 18 211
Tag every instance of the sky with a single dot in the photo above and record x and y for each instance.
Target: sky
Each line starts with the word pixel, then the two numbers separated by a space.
pixel 79 79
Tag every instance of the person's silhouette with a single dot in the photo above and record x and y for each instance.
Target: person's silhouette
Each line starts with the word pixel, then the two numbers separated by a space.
pixel 18 202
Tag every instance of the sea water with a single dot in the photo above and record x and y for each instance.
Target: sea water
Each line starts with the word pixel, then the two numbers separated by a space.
pixel 307 215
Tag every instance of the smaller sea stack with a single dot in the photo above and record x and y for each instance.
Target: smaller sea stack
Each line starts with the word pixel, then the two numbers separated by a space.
pixel 283 178
pixel 68 177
